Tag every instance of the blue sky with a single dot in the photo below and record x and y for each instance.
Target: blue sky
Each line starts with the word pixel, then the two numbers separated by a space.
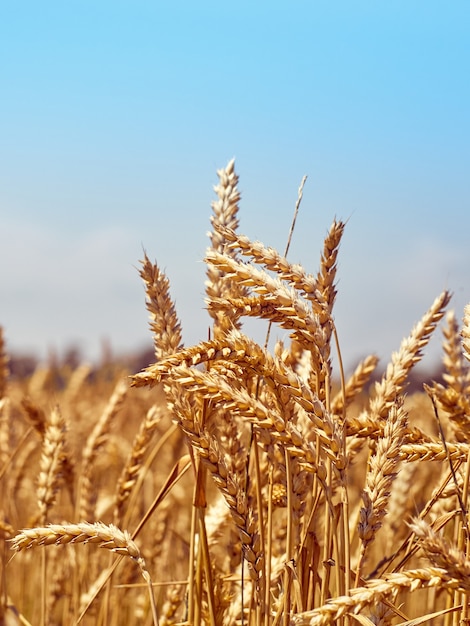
pixel 115 116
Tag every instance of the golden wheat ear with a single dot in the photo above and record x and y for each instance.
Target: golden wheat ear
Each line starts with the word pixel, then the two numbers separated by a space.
pixel 164 323
pixel 4 368
pixel 382 471
pixel 225 215
pixel 454 395
pixel 52 463
pixel 105 536
pixel 93 446
pixel 409 353
pixel 466 332
pixel 294 274
pixel 355 384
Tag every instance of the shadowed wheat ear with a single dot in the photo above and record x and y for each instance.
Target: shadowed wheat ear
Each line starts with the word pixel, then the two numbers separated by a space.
pixel 95 442
pixel 134 464
pixel 440 552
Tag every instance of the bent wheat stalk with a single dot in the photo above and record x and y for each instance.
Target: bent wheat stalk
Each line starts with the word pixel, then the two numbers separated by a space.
pixel 105 536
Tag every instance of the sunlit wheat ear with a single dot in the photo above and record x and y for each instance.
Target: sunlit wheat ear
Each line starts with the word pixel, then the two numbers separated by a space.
pixel 454 394
pixel 306 284
pixel 225 213
pixel 410 353
pixel 375 591
pixel 381 473
pixel 164 323
pixel 104 536
pixel 276 302
pixel 250 408
pixel 327 272
pixel 4 368
pixel 238 348
pixel 433 451
pixel 355 385
pixel 466 332
pixel 456 368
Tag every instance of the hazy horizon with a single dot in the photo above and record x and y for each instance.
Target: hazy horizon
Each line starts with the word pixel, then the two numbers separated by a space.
pixel 116 116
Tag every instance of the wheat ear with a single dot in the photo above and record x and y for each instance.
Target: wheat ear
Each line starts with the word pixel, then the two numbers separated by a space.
pixel 164 322
pixel 454 395
pixel 51 463
pixel 105 536
pixel 408 355
pixel 381 474
pixel 375 591
pixel 294 274
pixel 225 214
pixel 4 368
pixel 354 385
pixel 94 443
pixel 466 332
pixel 134 463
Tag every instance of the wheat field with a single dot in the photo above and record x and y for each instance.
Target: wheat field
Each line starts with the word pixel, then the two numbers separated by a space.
pixel 228 483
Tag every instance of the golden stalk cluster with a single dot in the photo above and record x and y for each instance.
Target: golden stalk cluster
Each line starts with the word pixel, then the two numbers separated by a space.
pixel 250 486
